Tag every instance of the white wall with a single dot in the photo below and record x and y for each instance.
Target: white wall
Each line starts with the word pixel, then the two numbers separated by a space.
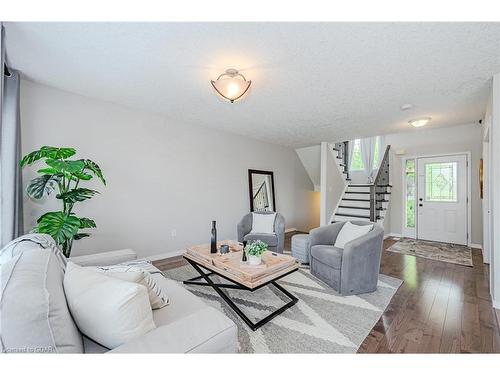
pixel 161 175
pixel 495 192
pixel 422 142
pixel 332 183
pixel 311 159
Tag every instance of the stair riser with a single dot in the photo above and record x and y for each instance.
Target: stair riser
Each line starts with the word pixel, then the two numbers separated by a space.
pixel 353 211
pixel 355 204
pixel 359 188
pixel 347 218
pixel 357 196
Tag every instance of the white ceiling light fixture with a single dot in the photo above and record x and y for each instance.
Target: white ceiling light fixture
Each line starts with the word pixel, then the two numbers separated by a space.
pixel 231 85
pixel 419 122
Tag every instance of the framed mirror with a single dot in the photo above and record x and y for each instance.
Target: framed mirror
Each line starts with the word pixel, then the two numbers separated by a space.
pixel 261 190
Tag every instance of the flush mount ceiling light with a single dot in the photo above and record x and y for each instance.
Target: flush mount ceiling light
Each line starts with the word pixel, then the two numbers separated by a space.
pixel 418 122
pixel 231 85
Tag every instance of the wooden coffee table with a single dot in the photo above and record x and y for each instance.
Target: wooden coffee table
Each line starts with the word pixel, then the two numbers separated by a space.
pixel 242 276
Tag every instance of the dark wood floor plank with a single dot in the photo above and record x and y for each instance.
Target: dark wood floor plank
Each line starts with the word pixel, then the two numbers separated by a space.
pixel 439 308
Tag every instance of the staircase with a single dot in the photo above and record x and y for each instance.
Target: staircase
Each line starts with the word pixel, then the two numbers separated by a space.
pixel 342 150
pixel 368 202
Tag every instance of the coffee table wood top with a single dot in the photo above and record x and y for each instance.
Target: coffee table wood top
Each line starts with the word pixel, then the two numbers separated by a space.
pixel 229 265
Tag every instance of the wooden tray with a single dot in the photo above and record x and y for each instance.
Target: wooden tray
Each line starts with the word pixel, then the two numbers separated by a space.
pixel 230 265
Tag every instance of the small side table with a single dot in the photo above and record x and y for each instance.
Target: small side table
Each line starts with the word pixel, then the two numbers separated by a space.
pixel 300 248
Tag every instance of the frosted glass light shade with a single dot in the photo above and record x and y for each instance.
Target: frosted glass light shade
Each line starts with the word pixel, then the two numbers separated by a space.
pixel 417 123
pixel 231 85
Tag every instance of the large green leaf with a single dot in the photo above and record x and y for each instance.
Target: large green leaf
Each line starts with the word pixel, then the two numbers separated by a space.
pixel 89 164
pixel 76 195
pixel 60 226
pixel 66 166
pixel 82 176
pixel 86 223
pixel 79 236
pixel 43 185
pixel 47 152
pixel 71 176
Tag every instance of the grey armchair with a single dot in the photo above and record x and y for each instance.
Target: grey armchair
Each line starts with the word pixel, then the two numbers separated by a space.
pixel 276 241
pixel 352 270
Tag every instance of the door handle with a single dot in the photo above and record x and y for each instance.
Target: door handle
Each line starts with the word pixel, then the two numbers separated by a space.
pixel 420 205
pixel 420 199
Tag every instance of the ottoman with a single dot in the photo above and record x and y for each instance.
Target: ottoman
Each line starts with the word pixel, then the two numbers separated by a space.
pixel 300 245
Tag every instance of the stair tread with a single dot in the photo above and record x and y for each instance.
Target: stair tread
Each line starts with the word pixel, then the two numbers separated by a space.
pixel 359 216
pixel 357 208
pixel 357 192
pixel 356 199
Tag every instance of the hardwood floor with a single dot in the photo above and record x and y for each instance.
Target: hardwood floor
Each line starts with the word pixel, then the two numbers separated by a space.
pixel 440 308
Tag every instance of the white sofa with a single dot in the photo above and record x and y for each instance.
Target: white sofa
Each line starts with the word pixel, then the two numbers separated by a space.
pixel 36 268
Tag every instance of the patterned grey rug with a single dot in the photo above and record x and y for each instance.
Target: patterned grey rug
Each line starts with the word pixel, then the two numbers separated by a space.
pixel 321 322
pixel 444 252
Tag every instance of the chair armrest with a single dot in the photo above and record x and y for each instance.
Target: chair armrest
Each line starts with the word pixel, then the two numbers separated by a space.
pixel 107 258
pixel 244 227
pixel 326 235
pixel 361 259
pixel 279 230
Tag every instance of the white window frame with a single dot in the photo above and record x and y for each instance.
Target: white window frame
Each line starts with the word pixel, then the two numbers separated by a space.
pixel 408 232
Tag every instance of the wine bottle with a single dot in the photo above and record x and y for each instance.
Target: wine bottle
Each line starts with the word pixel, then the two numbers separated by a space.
pixel 213 240
pixel 244 257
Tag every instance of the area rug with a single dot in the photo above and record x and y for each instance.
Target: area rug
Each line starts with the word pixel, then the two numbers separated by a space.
pixel 322 321
pixel 443 252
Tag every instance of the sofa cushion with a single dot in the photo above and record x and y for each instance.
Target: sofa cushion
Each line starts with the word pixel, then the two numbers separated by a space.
pixel 186 325
pixel 35 316
pixel 270 239
pixel 108 310
pixel 263 223
pixel 350 232
pixel 157 296
pixel 329 255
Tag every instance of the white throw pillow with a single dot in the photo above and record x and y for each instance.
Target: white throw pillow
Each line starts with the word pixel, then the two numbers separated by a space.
pixel 108 310
pixel 350 232
pixel 263 223
pixel 157 297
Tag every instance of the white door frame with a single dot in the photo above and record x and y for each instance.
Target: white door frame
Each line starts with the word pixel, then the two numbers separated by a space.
pixel 408 233
pixel 486 203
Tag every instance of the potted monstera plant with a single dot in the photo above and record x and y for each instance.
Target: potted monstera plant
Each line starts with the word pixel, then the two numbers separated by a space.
pixel 64 175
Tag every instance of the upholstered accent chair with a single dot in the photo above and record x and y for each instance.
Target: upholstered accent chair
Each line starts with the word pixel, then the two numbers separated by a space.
pixel 353 269
pixel 276 240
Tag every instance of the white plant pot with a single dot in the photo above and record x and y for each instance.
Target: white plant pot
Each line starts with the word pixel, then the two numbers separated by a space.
pixel 254 260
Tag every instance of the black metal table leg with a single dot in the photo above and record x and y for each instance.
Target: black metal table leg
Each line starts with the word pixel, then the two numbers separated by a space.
pixel 217 287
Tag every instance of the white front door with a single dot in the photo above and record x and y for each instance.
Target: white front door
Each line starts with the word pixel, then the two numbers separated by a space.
pixel 442 199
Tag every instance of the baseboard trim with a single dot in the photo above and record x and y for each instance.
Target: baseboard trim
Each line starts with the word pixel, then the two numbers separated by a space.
pixel 496 304
pixel 170 254
pixel 177 253
pixel 476 246
pixel 393 235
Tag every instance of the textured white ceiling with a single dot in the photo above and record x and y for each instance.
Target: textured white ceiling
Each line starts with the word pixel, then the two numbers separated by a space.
pixel 312 82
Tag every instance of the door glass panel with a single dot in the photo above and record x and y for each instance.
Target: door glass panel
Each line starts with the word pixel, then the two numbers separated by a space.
pixel 441 182
pixel 410 193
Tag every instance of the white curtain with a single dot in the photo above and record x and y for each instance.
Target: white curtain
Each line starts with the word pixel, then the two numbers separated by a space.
pixel 11 212
pixel 367 155
pixel 351 152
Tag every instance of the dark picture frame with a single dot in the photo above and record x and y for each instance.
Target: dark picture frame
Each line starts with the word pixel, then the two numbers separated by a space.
pixel 251 172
